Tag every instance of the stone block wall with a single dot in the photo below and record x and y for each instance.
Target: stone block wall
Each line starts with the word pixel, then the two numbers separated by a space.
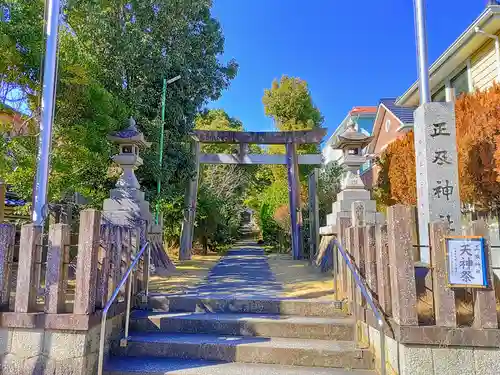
pixel 54 352
pixel 417 359
pixel 387 258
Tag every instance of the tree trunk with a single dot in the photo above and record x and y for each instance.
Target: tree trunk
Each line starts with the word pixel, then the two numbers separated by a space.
pixel 204 242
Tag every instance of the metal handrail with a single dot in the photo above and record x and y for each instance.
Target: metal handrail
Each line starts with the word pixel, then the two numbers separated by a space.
pixel 126 277
pixel 377 311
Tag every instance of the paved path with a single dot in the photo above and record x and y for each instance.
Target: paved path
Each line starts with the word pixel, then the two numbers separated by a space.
pixel 243 272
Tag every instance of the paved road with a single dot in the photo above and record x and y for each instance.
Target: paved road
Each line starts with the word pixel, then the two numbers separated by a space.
pixel 243 272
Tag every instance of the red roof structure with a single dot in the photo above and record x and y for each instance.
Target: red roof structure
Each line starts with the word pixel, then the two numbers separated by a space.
pixel 363 109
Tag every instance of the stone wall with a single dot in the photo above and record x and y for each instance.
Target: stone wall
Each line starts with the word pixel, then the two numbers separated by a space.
pixel 53 327
pixel 54 352
pixel 413 359
pixel 408 291
pixel 424 331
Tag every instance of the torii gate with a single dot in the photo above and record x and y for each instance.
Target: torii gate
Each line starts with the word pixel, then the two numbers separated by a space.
pixel 291 159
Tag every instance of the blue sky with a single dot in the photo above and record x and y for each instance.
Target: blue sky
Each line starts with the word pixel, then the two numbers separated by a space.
pixel 351 52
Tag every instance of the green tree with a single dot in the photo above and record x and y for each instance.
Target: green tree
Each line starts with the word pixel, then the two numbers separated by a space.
pixel 223 188
pixel 113 58
pixel 86 111
pixel 329 180
pixel 289 103
pixel 138 44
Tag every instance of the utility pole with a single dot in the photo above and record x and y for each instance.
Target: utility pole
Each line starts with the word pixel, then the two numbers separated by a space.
pixel 48 105
pixel 435 135
pixel 422 53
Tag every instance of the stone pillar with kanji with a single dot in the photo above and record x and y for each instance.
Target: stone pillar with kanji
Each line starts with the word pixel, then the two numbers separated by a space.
pixel 438 195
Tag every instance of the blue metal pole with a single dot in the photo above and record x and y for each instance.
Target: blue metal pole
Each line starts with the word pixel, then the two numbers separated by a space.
pixel 48 105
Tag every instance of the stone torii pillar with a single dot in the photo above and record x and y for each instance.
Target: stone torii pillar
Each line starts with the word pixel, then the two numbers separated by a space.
pixel 187 232
pixel 294 199
pixel 313 214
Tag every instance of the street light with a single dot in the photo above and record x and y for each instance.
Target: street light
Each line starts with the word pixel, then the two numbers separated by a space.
pixel 162 137
pixel 172 80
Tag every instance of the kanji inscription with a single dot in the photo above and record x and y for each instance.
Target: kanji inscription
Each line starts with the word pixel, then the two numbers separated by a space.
pixel 437 170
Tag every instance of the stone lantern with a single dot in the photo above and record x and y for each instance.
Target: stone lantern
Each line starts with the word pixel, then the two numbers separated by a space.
pixel 129 141
pixel 127 204
pixel 352 143
pixel 353 192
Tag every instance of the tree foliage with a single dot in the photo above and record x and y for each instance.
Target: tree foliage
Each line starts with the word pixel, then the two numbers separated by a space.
pixel 86 111
pixel 478 132
pixel 289 103
pixel 222 189
pixel 113 58
pixel 402 173
pixel 329 180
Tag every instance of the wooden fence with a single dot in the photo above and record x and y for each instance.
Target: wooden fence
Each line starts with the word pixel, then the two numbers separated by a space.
pixel 40 274
pixel 410 294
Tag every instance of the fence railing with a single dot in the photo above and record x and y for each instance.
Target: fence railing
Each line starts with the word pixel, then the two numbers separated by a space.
pixel 145 253
pixel 408 292
pixel 360 284
pixel 48 272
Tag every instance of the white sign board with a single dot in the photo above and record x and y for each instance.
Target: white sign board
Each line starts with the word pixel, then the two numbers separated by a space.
pixel 466 262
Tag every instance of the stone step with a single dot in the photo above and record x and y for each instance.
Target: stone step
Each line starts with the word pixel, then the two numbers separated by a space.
pixel 245 325
pixel 276 306
pixel 281 351
pixel 162 366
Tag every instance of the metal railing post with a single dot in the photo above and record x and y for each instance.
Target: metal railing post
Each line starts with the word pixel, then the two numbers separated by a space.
pixel 377 311
pixel 148 270
pixel 126 278
pixel 335 270
pixel 124 341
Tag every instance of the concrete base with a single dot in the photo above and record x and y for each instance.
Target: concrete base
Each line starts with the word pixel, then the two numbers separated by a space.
pixel 50 352
pixel 328 230
pixel 404 359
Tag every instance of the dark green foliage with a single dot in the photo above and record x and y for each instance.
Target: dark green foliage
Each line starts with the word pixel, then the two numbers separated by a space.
pixel 222 188
pixel 113 58
pixel 329 180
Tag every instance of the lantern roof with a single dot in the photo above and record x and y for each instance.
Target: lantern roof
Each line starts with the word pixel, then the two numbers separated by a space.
pixel 352 137
pixel 130 135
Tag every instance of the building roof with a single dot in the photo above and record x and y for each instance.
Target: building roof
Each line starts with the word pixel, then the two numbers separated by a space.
pixel 404 114
pixel 16 116
pixel 457 53
pixel 363 110
pixel 358 111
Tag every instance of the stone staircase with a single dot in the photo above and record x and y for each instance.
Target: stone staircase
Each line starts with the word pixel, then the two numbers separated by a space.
pixel 190 335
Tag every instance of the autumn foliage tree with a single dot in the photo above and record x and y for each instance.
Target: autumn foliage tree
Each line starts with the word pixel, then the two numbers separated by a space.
pixel 402 172
pixel 478 134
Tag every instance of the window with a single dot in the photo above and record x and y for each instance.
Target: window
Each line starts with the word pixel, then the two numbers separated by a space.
pixel 461 82
pixel 387 125
pixel 440 95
